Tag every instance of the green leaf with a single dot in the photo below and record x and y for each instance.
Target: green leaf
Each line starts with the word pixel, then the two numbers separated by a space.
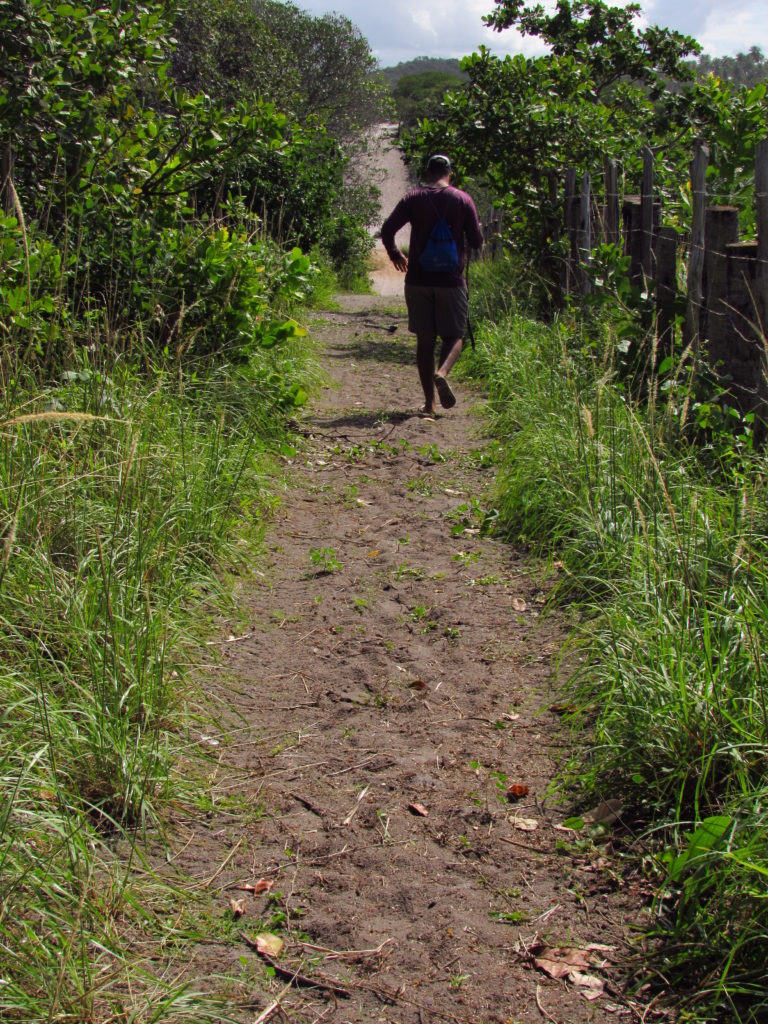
pixel 704 840
pixel 577 824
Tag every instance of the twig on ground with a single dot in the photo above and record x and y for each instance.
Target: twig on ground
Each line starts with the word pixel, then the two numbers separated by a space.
pixel 266 1014
pixel 229 640
pixel 224 863
pixel 546 915
pixel 347 954
pixel 352 767
pixel 355 809
pixel 543 1012
pixel 523 846
pixel 294 977
pixel 305 803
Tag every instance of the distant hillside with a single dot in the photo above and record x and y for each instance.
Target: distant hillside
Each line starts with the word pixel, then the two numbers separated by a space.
pixel 418 66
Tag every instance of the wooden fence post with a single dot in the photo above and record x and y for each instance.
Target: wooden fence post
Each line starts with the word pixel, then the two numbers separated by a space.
pixel 745 351
pixel 6 175
pixel 666 292
pixel 570 228
pixel 722 229
pixel 611 216
pixel 556 269
pixel 696 253
pixel 632 230
pixel 761 200
pixel 584 234
pixel 646 218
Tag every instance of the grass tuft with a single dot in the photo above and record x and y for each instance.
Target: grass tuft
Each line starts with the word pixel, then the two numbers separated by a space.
pixel 664 551
pixel 121 498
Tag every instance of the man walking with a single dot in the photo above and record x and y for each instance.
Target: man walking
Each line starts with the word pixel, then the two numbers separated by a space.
pixel 436 298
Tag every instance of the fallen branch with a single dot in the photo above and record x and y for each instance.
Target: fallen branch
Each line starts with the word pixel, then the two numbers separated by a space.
pixel 224 863
pixel 266 1014
pixel 543 1012
pixel 293 977
pixel 347 954
pixel 305 803
pixel 524 846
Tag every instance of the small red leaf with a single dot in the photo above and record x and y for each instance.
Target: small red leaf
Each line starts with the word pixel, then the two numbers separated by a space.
pixel 418 809
pixel 263 885
pixel 237 907
pixel 517 791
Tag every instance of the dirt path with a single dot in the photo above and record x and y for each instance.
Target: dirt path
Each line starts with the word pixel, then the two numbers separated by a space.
pixel 392 683
pixel 389 174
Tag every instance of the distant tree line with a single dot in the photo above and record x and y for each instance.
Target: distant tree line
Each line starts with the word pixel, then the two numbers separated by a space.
pixel 418 86
pixel 748 68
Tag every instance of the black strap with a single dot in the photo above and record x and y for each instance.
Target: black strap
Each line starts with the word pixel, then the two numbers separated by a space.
pixel 470 332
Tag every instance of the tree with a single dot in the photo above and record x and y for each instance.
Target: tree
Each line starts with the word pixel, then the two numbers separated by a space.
pixel 607 88
pixel 334 64
pixel 313 68
pixel 605 39
pixel 226 49
pixel 419 65
pixel 68 77
pixel 123 187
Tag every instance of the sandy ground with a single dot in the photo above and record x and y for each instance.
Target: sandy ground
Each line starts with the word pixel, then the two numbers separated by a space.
pixel 391 177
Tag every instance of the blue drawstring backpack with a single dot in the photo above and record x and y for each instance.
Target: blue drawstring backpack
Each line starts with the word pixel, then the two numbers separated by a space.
pixel 440 255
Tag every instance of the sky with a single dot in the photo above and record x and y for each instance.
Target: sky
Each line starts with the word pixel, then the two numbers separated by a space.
pixel 399 30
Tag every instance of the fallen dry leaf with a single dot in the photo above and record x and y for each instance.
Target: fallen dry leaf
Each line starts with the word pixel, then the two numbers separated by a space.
pixel 374 553
pixel 269 944
pixel 419 809
pixel 524 824
pixel 519 604
pixel 237 906
pixel 572 964
pixel 418 684
pixel 263 885
pixel 606 813
pixel 593 985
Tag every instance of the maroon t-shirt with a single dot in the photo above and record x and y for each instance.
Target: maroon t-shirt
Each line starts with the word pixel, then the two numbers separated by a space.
pixel 422 208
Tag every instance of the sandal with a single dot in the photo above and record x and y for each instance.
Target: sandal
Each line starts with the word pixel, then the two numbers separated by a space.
pixel 444 393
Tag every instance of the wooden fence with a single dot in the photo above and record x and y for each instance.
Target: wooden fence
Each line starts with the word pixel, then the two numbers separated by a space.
pixel 726 278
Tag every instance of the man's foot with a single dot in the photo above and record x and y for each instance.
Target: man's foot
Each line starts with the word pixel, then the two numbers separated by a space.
pixel 427 413
pixel 444 393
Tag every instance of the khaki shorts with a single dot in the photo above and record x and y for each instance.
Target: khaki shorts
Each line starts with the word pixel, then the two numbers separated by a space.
pixel 441 311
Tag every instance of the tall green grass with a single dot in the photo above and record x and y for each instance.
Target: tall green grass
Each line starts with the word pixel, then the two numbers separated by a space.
pixel 663 547
pixel 121 496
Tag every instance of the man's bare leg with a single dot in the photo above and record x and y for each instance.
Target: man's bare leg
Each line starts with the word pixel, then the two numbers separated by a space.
pixel 449 353
pixel 425 361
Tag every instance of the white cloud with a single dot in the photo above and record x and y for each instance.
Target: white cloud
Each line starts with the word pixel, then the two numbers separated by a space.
pixel 437 28
pixel 423 19
pixel 722 27
pixel 454 28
